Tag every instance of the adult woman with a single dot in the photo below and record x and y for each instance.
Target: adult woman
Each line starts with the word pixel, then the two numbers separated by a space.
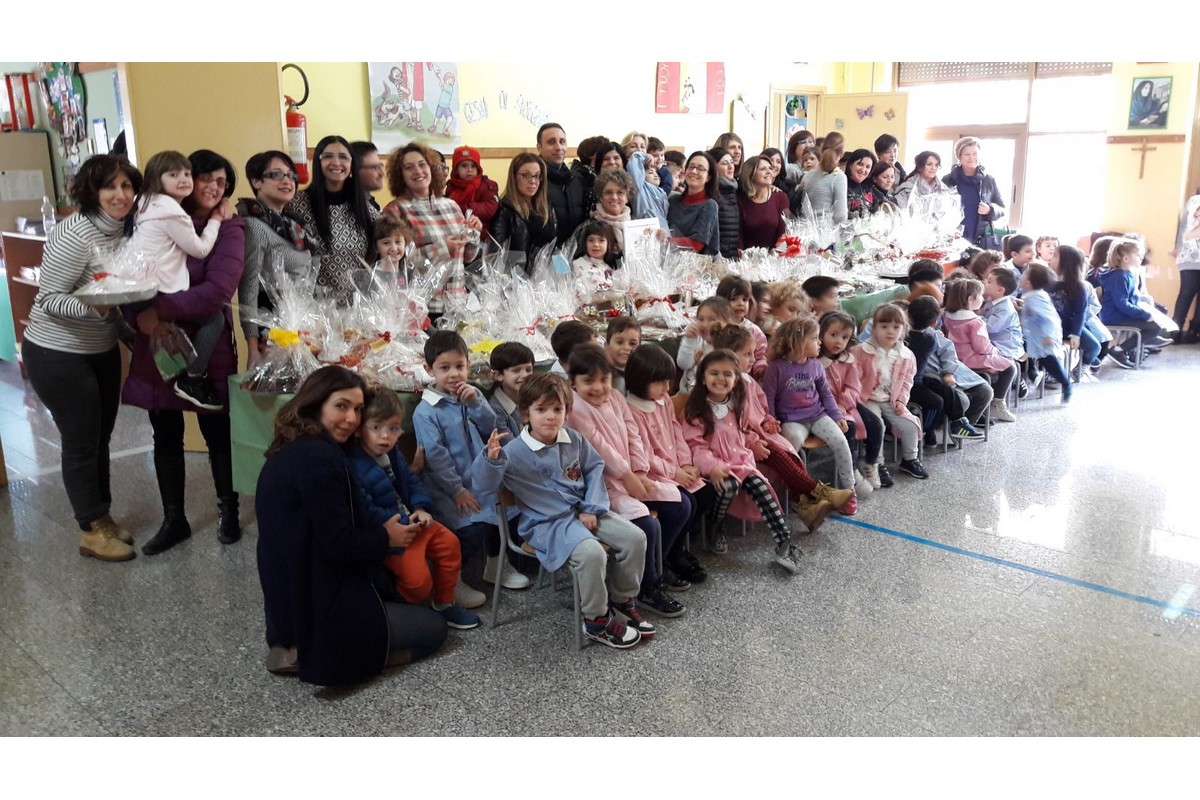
pixel 273 234
pixel 633 142
pixel 439 228
pixel 824 189
pixel 613 188
pixel 581 168
pixel 761 207
pixel 795 146
pixel 836 142
pixel 922 181
pixel 1187 259
pixel 860 192
pixel 336 216
pixel 70 349
pixel 525 222
pixel 692 213
pixel 982 202
pixel 781 180
pixel 883 177
pixel 324 618
pixel 731 143
pixel 1145 110
pixel 214 279
pixel 609 155
pixel 727 203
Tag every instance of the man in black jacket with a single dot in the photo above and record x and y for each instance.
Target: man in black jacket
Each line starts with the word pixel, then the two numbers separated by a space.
pixel 565 191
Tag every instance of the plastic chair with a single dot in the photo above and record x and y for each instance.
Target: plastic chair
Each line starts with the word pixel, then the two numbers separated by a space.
pixel 1130 331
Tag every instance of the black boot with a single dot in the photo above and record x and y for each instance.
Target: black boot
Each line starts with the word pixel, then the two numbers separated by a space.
pixel 229 529
pixel 169 469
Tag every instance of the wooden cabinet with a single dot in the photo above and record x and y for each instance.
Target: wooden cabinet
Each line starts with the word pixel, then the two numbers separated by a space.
pixel 21 250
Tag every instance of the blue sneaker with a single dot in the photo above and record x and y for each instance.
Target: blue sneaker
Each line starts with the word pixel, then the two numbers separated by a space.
pixel 459 618
pixel 963 429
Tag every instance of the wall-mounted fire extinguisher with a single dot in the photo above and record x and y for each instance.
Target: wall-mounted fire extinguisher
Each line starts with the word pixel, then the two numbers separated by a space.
pixel 297 128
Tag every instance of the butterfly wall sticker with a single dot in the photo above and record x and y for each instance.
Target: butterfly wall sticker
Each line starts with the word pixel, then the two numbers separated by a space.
pixel 890 114
pixel 839 123
pixel 863 113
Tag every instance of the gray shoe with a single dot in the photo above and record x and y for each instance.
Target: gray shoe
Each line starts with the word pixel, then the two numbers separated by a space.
pixel 719 544
pixel 787 555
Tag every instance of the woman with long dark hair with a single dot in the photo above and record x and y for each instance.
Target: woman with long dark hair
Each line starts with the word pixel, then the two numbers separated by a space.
pixel 525 222
pixel 692 213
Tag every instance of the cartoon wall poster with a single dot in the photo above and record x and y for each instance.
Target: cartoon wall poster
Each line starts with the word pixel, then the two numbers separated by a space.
pixel 683 87
pixel 414 100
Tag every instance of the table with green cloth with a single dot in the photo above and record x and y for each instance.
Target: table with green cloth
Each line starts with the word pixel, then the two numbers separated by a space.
pixel 862 306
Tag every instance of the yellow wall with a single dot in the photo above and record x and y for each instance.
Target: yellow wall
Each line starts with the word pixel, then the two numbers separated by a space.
pixel 856 76
pixel 1152 204
pixel 235 109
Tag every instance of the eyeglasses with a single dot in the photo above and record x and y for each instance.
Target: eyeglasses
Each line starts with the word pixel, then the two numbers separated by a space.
pixel 278 175
pixel 614 193
pixel 327 156
pixel 699 169
pixel 372 167
pixel 529 176
pixel 208 180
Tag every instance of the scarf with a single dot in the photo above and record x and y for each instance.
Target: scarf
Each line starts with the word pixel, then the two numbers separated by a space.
pixel 287 227
pixel 615 223
pixel 464 191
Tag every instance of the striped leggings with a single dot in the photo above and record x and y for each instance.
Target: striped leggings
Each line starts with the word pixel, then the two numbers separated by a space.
pixel 760 493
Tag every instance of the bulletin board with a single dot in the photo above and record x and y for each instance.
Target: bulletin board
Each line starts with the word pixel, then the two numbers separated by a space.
pixel 862 118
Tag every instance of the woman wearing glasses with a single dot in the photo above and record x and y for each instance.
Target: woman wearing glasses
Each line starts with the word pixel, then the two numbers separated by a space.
pixel 272 232
pixel 729 217
pixel 337 217
pixel 692 213
pixel 525 222
pixel 213 280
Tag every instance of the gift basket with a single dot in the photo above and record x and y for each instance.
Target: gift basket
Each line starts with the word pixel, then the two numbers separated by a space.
pixel 294 338
pixel 121 279
pixel 649 281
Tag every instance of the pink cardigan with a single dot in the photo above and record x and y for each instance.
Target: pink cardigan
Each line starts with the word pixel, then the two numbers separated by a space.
pixel 760 349
pixel 611 430
pixel 728 446
pixel 662 436
pixel 903 373
pixel 970 337
pixel 845 382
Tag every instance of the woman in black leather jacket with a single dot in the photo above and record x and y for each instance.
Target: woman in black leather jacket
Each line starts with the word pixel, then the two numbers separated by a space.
pixel 525 222
pixel 982 202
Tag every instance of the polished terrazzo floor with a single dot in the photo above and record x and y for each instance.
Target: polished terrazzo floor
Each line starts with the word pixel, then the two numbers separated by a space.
pixel 1041 583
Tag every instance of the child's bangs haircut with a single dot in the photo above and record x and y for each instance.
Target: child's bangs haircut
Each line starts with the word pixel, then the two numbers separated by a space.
pixel 731 337
pixel 544 386
pixel 386 226
pixel 761 291
pixel 158 165
pixel 620 325
pixel 1041 240
pixel 1039 276
pixel 647 364
pixel 818 285
pixel 509 355
pixel 1099 254
pixel 1015 243
pixel 923 312
pixel 832 320
pixel 959 293
pixel 982 262
pixel 718 305
pixel 385 404
pixel 791 335
pixel 569 335
pixel 597 228
pixel 1006 278
pixel 925 270
pixel 890 312
pixel 732 287
pixel 589 359
pixel 445 342
pixel 1121 248
pixel 697 407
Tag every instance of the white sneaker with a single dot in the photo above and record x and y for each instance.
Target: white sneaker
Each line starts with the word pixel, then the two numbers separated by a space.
pixel 467 597
pixel 787 555
pixel 1000 412
pixel 509 577
pixel 862 486
pixel 871 473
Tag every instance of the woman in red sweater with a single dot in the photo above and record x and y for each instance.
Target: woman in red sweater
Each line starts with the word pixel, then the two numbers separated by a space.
pixel 761 205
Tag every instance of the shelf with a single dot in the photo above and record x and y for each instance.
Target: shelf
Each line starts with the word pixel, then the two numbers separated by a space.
pixel 30 237
pixel 26 281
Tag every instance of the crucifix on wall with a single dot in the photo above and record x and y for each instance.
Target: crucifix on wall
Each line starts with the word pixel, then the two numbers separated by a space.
pixel 1143 146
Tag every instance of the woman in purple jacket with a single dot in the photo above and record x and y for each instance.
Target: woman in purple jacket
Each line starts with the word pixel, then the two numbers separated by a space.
pixel 214 280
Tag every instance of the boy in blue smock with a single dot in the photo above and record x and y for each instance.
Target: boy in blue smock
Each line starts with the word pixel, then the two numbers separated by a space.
pixel 512 364
pixel 557 479
pixel 453 422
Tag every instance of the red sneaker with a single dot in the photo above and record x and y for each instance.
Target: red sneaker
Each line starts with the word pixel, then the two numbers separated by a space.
pixel 851 507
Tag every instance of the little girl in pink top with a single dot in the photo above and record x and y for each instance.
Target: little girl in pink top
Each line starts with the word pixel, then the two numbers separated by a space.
pixel 844 373
pixel 602 416
pixel 968 332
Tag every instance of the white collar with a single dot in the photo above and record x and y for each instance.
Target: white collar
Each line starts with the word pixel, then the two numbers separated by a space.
pixel 720 410
pixel 535 445
pixel 432 396
pixel 504 400
pixel 965 313
pixel 645 405
pixel 871 346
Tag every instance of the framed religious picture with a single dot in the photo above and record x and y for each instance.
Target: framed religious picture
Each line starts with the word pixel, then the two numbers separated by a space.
pixel 1149 103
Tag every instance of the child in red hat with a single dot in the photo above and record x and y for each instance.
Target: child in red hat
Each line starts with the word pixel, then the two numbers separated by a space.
pixel 470 188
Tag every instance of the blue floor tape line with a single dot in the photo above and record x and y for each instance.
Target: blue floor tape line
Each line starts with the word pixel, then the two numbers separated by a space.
pixel 1150 601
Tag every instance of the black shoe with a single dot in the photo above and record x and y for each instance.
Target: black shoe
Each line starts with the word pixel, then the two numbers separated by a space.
pixel 654 601
pixel 686 566
pixel 1156 341
pixel 885 477
pixel 229 529
pixel 1191 337
pixel 174 529
pixel 1120 358
pixel 630 611
pixel 1023 389
pixel 913 467
pixel 931 439
pixel 672 582
pixel 198 391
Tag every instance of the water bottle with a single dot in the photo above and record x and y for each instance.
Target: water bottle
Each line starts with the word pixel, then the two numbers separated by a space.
pixel 48 218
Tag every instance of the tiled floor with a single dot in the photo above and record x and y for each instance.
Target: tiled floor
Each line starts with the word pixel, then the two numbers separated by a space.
pixel 878 635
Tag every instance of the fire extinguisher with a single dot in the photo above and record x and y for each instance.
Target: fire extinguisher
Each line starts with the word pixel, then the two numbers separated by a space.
pixel 297 128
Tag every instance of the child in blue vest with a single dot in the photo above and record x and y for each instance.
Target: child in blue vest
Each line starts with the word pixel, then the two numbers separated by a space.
pixel 512 364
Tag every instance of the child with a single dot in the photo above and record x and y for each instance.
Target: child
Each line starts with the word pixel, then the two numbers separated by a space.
pixel 655 149
pixel 648 377
pixel 1077 305
pixel 1046 247
pixel 565 338
pixel 673 161
pixel 969 334
pixel 1019 252
pixel 983 262
pixel 1000 313
pixel 1119 299
pixel 385 488
pixel 781 457
pixel 557 479
pixel 166 235
pixel 595 259
pixel 711 314
pixel 724 451
pixel 945 367
pixel 1042 325
pixel 602 417
pixel 933 394
pixel 843 372
pixel 452 423
pixel 623 336
pixel 788 300
pixel 512 364
pixel 391 236
pixel 822 291
pixel 888 372
pixel 474 192
pixel 761 310
pixel 798 396
pixel 737 291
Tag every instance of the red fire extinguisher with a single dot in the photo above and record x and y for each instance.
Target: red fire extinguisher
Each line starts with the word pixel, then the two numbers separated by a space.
pixel 297 128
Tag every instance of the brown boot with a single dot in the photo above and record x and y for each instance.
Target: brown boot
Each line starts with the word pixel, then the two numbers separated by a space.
pixel 812 513
pixel 122 534
pixel 102 542
pixel 838 498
